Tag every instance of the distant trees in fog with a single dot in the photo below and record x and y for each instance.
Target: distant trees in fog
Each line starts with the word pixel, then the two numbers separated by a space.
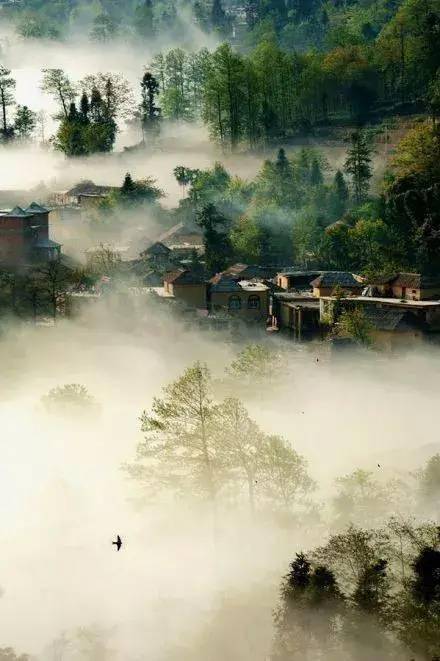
pixel 70 399
pixel 198 447
pixel 365 594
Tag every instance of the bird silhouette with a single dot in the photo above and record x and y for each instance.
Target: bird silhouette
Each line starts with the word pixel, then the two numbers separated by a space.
pixel 378 465
pixel 118 543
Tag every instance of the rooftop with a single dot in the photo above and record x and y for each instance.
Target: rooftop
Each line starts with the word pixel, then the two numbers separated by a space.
pixel 394 302
pixel 252 285
pixel 185 277
pixel 335 278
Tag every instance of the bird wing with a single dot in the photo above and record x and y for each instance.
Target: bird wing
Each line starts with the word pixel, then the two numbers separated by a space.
pixel 119 540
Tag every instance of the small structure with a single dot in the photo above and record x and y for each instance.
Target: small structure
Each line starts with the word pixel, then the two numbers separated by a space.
pixel 157 254
pixel 24 236
pixel 407 286
pixel 327 282
pixel 248 299
pixel 388 315
pixel 296 313
pixel 298 280
pixel 85 194
pixel 187 286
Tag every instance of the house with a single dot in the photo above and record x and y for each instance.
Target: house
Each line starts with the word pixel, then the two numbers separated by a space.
pixel 24 236
pixel 407 286
pixel 251 272
pixel 157 254
pixel 299 280
pixel 85 194
pixel 248 299
pixel 295 312
pixel 388 315
pixel 327 282
pixel 187 286
pixel 183 237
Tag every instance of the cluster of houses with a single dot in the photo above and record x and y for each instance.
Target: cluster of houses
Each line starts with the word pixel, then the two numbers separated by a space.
pixel 300 303
pixel 303 302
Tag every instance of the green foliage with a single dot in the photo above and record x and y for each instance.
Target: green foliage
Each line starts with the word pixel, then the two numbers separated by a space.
pixel 354 324
pixel 25 122
pixel 358 164
pixel 198 447
pixel 255 362
pixel 218 250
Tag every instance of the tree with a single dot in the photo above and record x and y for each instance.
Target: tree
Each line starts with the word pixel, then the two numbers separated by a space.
pixel 183 176
pixel 218 16
pixel 429 483
pixel 71 137
pixel 7 85
pixel 284 477
pixel 355 325
pixel 179 450
pixel 54 278
pixel 224 96
pixel 255 363
pixel 143 19
pixel 316 176
pixel 115 91
pixel 104 28
pixel 358 164
pixel 56 83
pixel 218 249
pixel 150 113
pixel 240 442
pixel 141 191
pixel 340 195
pixel 307 618
pixel 25 122
pixel 71 399
pixel 360 499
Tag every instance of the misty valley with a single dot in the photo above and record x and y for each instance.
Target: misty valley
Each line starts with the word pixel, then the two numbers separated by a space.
pixel 219 330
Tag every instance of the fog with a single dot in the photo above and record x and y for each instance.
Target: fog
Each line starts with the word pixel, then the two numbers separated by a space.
pixel 174 591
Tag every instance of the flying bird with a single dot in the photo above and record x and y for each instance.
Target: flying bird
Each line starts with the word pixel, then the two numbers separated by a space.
pixel 118 543
pixel 378 465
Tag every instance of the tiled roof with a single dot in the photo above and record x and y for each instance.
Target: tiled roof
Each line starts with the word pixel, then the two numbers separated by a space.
pixel 184 277
pixel 157 248
pixel 34 207
pixel 224 284
pixel 335 278
pixel 18 212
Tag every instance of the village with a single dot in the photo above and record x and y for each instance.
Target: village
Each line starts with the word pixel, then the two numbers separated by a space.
pixel 299 304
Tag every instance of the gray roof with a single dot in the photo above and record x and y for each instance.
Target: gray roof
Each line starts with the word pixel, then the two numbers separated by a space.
pixel 34 207
pixel 157 248
pixel 224 284
pixel 334 278
pixel 18 212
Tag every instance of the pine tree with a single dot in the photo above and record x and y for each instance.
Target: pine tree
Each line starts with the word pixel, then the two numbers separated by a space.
pixel 218 249
pixel 150 113
pixel 358 164
pixel 25 122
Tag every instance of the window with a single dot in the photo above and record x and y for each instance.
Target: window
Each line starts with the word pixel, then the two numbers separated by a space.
pixel 254 302
pixel 234 303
